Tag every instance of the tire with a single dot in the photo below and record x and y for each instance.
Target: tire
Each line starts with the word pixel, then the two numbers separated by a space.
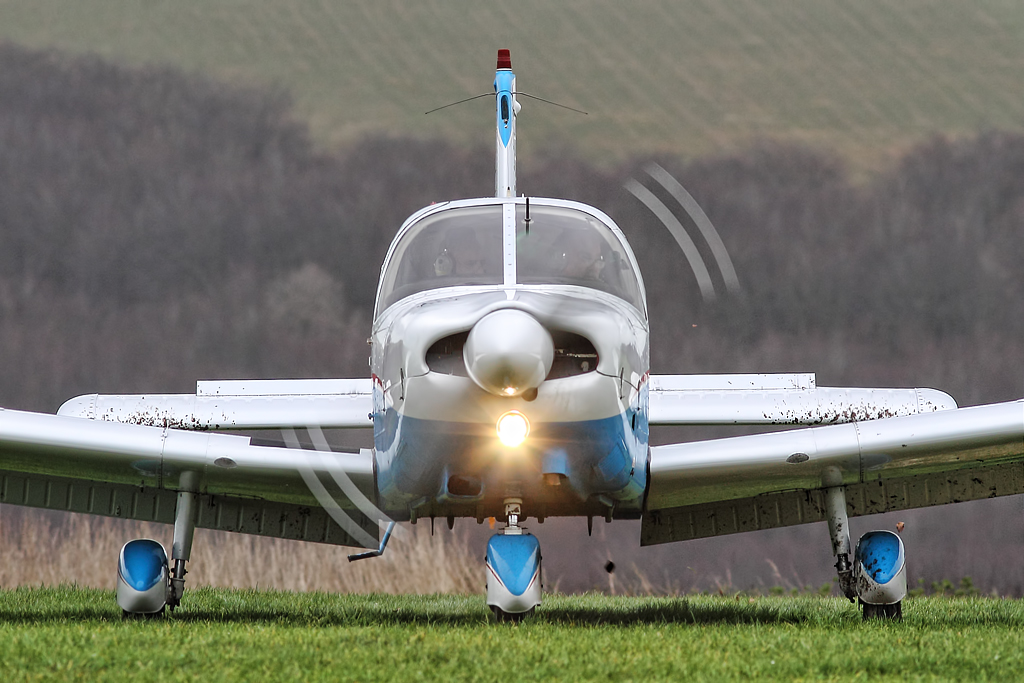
pixel 126 615
pixel 893 612
pixel 503 617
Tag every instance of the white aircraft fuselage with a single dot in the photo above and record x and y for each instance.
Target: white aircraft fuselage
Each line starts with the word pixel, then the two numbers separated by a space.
pixel 482 314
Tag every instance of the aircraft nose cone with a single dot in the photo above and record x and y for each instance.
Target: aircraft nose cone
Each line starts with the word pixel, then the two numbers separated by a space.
pixel 508 353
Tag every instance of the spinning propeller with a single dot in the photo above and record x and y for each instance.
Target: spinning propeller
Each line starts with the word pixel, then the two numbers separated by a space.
pixel 683 239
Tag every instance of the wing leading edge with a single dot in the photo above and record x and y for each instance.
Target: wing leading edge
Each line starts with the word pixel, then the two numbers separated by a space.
pixel 347 403
pixel 238 404
pixel 779 399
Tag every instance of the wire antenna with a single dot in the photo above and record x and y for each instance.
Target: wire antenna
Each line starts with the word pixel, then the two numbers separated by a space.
pixel 468 99
pixel 523 94
pixel 541 99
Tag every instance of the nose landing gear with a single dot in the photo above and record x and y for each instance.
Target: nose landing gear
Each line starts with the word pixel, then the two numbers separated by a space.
pixel 513 568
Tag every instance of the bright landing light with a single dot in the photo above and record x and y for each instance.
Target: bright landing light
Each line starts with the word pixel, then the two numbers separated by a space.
pixel 513 428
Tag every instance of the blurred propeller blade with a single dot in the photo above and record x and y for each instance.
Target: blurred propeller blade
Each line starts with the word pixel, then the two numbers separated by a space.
pixel 697 215
pixel 665 215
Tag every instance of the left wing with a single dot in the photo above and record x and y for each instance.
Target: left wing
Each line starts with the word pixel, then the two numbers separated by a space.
pixel 764 481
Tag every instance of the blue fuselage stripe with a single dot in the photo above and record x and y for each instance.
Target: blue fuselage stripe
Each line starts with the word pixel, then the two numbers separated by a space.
pixel 605 456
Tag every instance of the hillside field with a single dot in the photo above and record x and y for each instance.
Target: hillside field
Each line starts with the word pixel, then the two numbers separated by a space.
pixel 688 77
pixel 226 635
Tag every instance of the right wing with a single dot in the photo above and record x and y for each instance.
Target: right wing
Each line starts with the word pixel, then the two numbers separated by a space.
pixel 765 481
pixel 238 404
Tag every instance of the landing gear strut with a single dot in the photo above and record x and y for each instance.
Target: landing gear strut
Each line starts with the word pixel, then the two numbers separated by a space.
pixel 146 585
pixel 839 531
pixel 877 576
pixel 181 545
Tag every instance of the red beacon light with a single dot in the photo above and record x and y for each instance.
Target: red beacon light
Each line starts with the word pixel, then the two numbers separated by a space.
pixel 504 59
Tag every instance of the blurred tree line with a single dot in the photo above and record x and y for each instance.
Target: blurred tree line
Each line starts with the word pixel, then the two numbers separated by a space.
pixel 158 227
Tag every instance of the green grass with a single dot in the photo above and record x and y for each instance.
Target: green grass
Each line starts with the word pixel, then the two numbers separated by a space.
pixel 77 634
pixel 688 76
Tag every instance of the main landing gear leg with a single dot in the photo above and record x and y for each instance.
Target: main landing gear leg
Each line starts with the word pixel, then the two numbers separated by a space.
pixel 513 568
pixel 876 577
pixel 146 585
pixel 181 546
pixel 839 531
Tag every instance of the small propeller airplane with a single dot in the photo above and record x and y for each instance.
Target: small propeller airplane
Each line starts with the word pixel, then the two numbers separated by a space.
pixel 510 379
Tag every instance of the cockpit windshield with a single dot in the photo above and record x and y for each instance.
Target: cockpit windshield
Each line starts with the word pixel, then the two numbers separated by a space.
pixel 446 249
pixel 564 246
pixel 463 246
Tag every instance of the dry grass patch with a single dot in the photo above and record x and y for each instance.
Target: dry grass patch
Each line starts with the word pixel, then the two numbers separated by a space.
pixel 78 549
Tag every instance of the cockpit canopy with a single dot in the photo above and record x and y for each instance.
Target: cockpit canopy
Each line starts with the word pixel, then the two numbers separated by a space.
pixel 464 246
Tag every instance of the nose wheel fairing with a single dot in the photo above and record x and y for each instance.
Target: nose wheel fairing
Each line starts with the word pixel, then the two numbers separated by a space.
pixel 513 573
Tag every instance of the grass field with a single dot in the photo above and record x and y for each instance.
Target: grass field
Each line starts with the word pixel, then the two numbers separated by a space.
pixel 220 634
pixel 691 76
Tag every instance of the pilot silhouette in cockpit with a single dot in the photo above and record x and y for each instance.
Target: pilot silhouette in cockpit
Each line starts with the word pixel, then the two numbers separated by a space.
pixel 462 256
pixel 582 257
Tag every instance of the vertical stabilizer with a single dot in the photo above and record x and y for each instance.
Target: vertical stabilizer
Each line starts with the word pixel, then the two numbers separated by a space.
pixel 507 107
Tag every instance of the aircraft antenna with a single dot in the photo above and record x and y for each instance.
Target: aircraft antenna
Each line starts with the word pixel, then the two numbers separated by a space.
pixel 557 104
pixel 452 104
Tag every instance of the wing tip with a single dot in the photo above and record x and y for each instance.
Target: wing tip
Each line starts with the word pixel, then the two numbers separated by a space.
pixel 79 406
pixel 933 400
